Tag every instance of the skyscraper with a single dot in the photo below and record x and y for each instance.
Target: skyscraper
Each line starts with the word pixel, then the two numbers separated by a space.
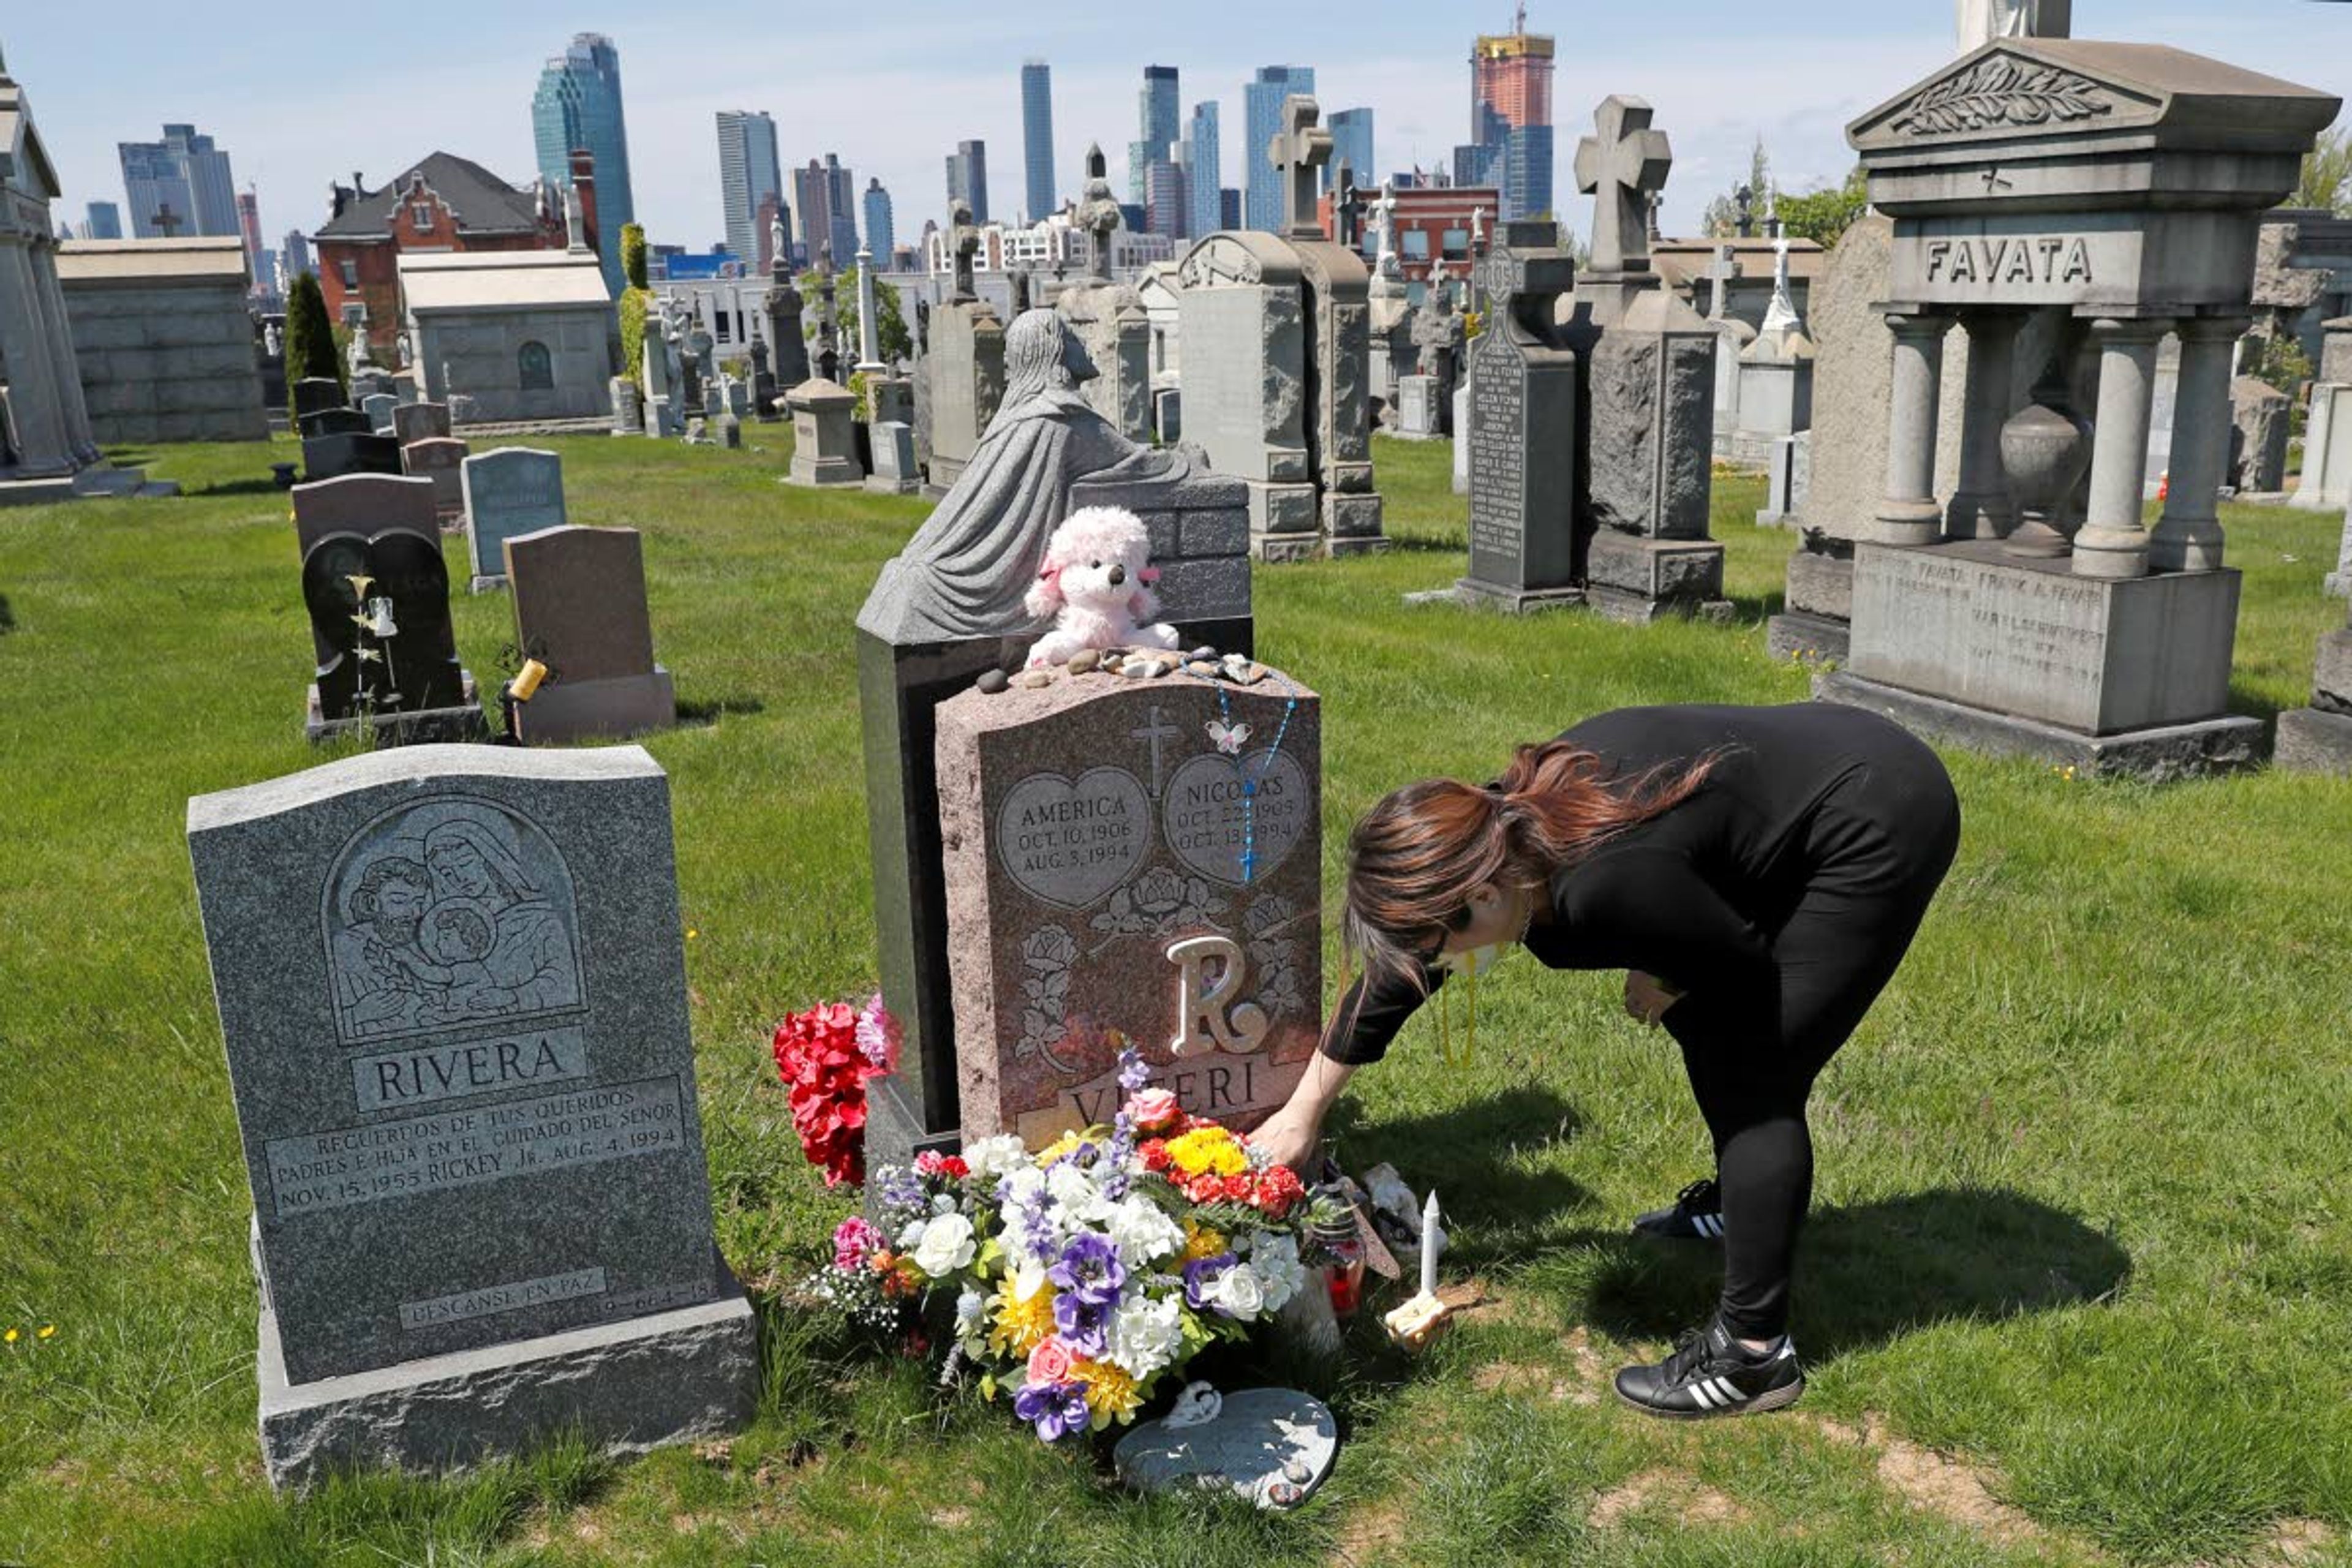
pixel 1203 174
pixel 1351 143
pixel 825 192
pixel 186 172
pixel 248 223
pixel 1156 132
pixel 1037 138
pixel 103 220
pixel 749 177
pixel 881 229
pixel 1262 110
pixel 579 105
pixel 1510 118
pixel 967 179
pixel 294 252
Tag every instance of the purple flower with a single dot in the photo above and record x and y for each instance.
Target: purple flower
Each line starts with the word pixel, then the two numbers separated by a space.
pixel 1085 1325
pixel 1201 1277
pixel 1056 1410
pixel 1089 1270
pixel 899 1193
pixel 1132 1074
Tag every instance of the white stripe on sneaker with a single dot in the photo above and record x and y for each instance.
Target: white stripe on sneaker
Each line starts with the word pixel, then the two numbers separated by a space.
pixel 1711 1224
pixel 1730 1391
pixel 1698 1391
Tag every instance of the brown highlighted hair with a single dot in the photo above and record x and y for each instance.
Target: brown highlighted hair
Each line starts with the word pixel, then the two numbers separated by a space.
pixel 1413 859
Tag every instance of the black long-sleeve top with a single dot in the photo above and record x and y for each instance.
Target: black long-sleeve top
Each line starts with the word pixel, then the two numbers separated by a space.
pixel 1690 895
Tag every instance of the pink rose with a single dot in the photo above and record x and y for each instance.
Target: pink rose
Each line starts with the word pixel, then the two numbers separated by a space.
pixel 1153 1109
pixel 1050 1363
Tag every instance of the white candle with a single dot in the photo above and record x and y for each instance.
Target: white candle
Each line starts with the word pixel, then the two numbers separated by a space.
pixel 1429 1245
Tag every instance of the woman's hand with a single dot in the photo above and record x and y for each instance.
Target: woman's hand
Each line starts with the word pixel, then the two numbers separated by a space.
pixel 1647 997
pixel 1292 1136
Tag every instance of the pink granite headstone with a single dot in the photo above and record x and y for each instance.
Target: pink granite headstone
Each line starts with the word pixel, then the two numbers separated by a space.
pixel 1094 833
pixel 442 461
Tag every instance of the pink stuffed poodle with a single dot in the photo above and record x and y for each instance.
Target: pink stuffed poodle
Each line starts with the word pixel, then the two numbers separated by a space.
pixel 1096 584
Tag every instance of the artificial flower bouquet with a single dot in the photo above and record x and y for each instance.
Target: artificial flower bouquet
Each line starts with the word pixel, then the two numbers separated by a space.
pixel 1085 1275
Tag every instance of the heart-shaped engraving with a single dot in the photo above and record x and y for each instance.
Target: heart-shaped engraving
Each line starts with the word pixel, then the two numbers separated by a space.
pixel 1215 803
pixel 1070 844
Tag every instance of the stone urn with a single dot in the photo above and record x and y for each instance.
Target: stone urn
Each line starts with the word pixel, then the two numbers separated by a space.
pixel 2043 452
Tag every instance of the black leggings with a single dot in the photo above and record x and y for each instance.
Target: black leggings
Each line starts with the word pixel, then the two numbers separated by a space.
pixel 1879 844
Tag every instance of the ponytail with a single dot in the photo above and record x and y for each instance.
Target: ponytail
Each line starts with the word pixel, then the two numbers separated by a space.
pixel 1414 857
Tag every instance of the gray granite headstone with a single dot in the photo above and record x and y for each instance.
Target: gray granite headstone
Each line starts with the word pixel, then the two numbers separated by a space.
pixel 418 421
pixel 1520 435
pixel 379 407
pixel 452 992
pixel 894 460
pixel 513 490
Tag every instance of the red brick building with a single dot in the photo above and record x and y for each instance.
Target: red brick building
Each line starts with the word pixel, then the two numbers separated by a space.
pixel 1432 223
pixel 444 204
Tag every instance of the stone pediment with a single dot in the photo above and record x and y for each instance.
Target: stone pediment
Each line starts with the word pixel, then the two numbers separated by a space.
pixel 24 166
pixel 1239 257
pixel 2054 91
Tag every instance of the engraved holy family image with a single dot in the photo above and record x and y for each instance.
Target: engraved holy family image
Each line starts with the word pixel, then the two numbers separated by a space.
pixel 447 915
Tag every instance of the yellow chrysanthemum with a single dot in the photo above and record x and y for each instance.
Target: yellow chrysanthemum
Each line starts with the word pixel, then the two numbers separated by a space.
pixel 1058 1148
pixel 1208 1149
pixel 1022 1326
pixel 1201 1242
pixel 1111 1393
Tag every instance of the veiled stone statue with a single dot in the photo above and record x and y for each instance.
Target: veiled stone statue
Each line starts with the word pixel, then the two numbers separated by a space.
pixel 966 571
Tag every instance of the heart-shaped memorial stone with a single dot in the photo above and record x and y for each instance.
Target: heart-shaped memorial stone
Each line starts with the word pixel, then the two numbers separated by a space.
pixel 1216 807
pixel 1070 844
pixel 381 606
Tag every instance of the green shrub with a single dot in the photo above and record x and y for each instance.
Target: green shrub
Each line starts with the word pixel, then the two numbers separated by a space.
pixel 310 339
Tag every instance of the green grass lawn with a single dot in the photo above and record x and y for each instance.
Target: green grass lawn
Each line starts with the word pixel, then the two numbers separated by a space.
pixel 2078 1289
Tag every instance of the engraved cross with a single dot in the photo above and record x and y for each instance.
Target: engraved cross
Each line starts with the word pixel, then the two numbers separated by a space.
pixel 1621 168
pixel 1154 732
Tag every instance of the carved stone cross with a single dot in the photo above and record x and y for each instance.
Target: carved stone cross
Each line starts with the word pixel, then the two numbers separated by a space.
pixel 1619 169
pixel 1300 151
pixel 1722 272
pixel 963 244
pixel 1384 213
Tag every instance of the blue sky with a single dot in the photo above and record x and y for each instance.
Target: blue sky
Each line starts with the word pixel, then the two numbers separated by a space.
pixel 299 97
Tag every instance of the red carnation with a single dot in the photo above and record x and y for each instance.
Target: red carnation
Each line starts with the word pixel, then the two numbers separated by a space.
pixel 818 1058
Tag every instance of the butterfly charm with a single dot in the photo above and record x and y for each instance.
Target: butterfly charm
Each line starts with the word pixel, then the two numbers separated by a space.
pixel 1230 737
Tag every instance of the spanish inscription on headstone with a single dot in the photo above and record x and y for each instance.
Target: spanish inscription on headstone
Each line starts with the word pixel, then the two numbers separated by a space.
pixel 452 993
pixel 1131 859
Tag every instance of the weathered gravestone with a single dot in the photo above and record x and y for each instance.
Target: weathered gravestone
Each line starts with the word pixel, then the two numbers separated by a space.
pixel 378 406
pixel 1137 859
pixel 453 998
pixel 316 394
pixel 335 421
pixel 950 607
pixel 1647 435
pixel 894 460
pixel 2107 648
pixel 2327 483
pixel 1278 365
pixel 388 666
pixel 442 461
pixel 580 609
pixel 824 434
pixel 414 421
pixel 2258 452
pixel 1521 435
pixel 966 370
pixel 2318 739
pixel 332 456
pixel 513 490
pixel 2339 582
pixel 1791 473
pixel 628 408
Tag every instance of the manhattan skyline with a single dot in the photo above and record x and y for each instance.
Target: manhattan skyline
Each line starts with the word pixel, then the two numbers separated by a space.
pixel 948 74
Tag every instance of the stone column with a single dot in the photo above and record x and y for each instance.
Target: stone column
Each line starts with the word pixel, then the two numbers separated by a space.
pixel 32 398
pixel 1909 514
pixel 2188 537
pixel 74 406
pixel 2114 540
pixel 1980 508
pixel 869 330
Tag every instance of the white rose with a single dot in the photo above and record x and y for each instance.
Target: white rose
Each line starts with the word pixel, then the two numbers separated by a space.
pixel 1142 1232
pixel 946 1245
pixel 992 1159
pixel 1074 1190
pixel 1145 1335
pixel 1276 1262
pixel 1240 1293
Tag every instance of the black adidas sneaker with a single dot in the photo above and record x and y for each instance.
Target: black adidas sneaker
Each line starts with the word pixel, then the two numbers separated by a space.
pixel 1698 1216
pixel 1711 1374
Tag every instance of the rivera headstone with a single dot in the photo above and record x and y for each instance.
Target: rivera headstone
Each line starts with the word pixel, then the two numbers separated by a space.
pixel 452 992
